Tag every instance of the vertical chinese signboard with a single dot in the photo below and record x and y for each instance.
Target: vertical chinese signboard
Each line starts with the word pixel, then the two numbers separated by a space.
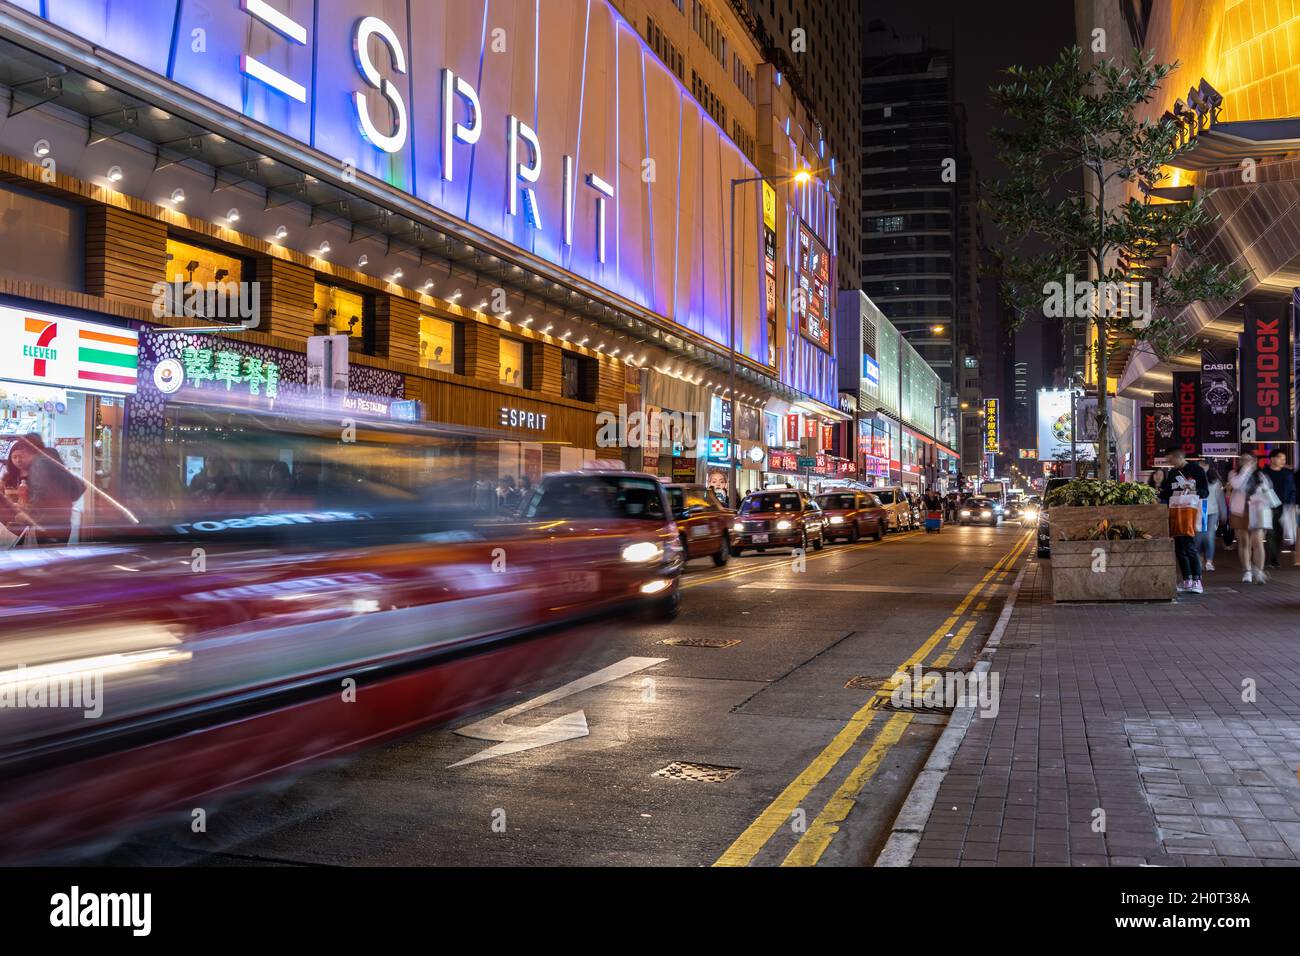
pixel 992 427
pixel 814 289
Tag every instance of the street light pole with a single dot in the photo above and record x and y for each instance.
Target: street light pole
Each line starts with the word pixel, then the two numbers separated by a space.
pixel 801 177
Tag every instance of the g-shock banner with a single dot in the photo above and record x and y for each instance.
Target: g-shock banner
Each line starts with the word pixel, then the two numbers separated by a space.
pixel 1157 431
pixel 1220 426
pixel 1187 402
pixel 1266 374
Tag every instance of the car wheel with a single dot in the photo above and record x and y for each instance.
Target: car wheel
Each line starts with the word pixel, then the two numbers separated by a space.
pixel 666 609
pixel 724 552
pixel 880 531
pixel 854 535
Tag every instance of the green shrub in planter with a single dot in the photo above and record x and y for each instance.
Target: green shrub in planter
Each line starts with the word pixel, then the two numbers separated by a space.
pixel 1092 493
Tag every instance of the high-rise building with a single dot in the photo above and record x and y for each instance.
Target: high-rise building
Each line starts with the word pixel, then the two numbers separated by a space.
pixel 815 44
pixel 920 225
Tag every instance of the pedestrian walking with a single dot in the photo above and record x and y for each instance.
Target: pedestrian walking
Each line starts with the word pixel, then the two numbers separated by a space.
pixel 1216 517
pixel 1282 479
pixel 1250 514
pixel 1184 489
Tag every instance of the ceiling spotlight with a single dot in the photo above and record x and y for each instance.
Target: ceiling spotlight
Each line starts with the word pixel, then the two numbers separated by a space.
pixel 42 147
pixel 528 321
pixel 455 296
pixel 363 261
pixel 547 330
pixel 585 340
pixel 115 174
pixel 615 352
pixel 566 334
pixel 600 347
pixel 281 233
pixel 232 215
pixel 178 195
pixel 428 284
pixel 324 248
pixel 397 274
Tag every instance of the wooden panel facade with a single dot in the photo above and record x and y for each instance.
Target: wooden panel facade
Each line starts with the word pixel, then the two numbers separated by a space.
pixel 288 298
pixel 126 254
pixel 397 329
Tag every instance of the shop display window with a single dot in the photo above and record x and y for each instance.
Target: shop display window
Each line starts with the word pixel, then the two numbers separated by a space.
pixel 203 281
pixel 512 368
pixel 438 344
pixel 341 311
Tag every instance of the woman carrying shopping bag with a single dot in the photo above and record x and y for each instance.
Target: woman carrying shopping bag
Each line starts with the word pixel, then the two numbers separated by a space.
pixel 1251 515
pixel 1184 489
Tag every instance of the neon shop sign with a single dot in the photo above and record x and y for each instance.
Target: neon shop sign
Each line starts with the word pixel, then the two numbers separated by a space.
pixel 462 117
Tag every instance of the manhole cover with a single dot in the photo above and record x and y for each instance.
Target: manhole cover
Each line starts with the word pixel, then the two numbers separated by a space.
pixel 698 642
pixel 866 683
pixel 699 772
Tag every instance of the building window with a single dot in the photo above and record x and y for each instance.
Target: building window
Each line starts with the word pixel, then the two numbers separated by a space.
pixel 513 359
pixel 579 376
pixel 664 47
pixel 194 269
pixel 42 240
pixel 439 348
pixel 887 224
pixel 341 311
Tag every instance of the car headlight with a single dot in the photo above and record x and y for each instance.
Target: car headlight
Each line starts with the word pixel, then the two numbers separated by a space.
pixel 738 527
pixel 783 525
pixel 965 514
pixel 837 519
pixel 643 552
pixel 1031 513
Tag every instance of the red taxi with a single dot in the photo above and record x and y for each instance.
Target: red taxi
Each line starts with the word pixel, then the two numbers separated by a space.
pixel 852 514
pixel 703 522
pixel 778 518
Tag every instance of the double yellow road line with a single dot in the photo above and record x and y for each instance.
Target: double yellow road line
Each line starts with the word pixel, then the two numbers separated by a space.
pixel 817 836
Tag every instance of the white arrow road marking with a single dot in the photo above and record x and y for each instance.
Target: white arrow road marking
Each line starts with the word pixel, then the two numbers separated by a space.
pixel 572 725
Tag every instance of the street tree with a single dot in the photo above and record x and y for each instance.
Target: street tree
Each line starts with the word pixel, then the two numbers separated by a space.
pixel 1082 235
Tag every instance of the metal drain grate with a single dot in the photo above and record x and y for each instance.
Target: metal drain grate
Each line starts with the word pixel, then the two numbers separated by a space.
pixel 698 642
pixel 699 772
pixel 866 683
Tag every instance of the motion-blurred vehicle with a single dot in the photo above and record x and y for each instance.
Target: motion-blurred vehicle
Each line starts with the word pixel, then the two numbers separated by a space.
pixel 899 514
pixel 703 522
pixel 246 627
pixel 852 514
pixel 979 510
pixel 778 519
pixel 1014 509
pixel 1044 523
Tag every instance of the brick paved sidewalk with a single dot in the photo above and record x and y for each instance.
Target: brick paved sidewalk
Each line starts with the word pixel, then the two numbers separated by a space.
pixel 1136 710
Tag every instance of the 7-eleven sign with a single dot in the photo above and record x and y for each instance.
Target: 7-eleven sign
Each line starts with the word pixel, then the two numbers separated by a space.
pixel 67 353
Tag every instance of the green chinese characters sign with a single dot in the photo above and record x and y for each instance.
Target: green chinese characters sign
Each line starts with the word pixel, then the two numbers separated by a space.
pixel 221 367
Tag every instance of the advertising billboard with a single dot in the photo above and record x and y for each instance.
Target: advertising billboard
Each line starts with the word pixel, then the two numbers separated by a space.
pixel 52 350
pixel 1187 406
pixel 992 427
pixel 1220 425
pixel 1266 374
pixel 1054 424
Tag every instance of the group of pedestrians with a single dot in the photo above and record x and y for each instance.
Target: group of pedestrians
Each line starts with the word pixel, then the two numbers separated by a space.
pixel 1253 508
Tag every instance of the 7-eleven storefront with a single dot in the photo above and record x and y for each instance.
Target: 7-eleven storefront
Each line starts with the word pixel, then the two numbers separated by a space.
pixel 66 379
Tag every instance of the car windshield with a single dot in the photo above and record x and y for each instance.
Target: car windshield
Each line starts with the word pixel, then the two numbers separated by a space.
pixel 837 501
pixel 980 503
pixel 596 496
pixel 886 497
pixel 762 503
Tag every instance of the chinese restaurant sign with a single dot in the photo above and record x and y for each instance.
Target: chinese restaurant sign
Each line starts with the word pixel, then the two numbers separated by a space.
pixel 53 350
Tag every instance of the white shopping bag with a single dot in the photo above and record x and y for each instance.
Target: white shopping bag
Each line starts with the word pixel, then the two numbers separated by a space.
pixel 1288 523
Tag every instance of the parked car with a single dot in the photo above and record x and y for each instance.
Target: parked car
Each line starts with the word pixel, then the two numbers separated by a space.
pixel 778 519
pixel 703 522
pixel 1044 525
pixel 979 510
pixel 899 514
pixel 852 514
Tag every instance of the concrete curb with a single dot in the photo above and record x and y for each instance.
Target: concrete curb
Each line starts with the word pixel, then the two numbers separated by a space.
pixel 905 834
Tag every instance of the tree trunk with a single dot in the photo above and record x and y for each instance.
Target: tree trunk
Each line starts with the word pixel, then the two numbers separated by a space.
pixel 1103 401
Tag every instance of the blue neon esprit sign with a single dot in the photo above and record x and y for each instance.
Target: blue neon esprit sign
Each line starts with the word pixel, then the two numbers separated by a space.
pixel 562 134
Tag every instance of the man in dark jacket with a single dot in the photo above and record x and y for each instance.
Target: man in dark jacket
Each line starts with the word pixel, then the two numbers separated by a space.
pixel 1182 472
pixel 1283 479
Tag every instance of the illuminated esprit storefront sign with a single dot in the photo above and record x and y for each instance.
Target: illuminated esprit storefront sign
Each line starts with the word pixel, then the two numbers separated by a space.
pixel 547 123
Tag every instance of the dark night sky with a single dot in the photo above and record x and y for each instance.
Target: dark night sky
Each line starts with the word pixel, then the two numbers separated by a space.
pixel 987 38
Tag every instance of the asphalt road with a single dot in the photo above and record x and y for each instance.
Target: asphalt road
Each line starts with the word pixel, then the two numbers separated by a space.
pixel 820 769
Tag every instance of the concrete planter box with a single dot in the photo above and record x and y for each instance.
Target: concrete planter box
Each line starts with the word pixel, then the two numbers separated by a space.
pixel 1141 570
